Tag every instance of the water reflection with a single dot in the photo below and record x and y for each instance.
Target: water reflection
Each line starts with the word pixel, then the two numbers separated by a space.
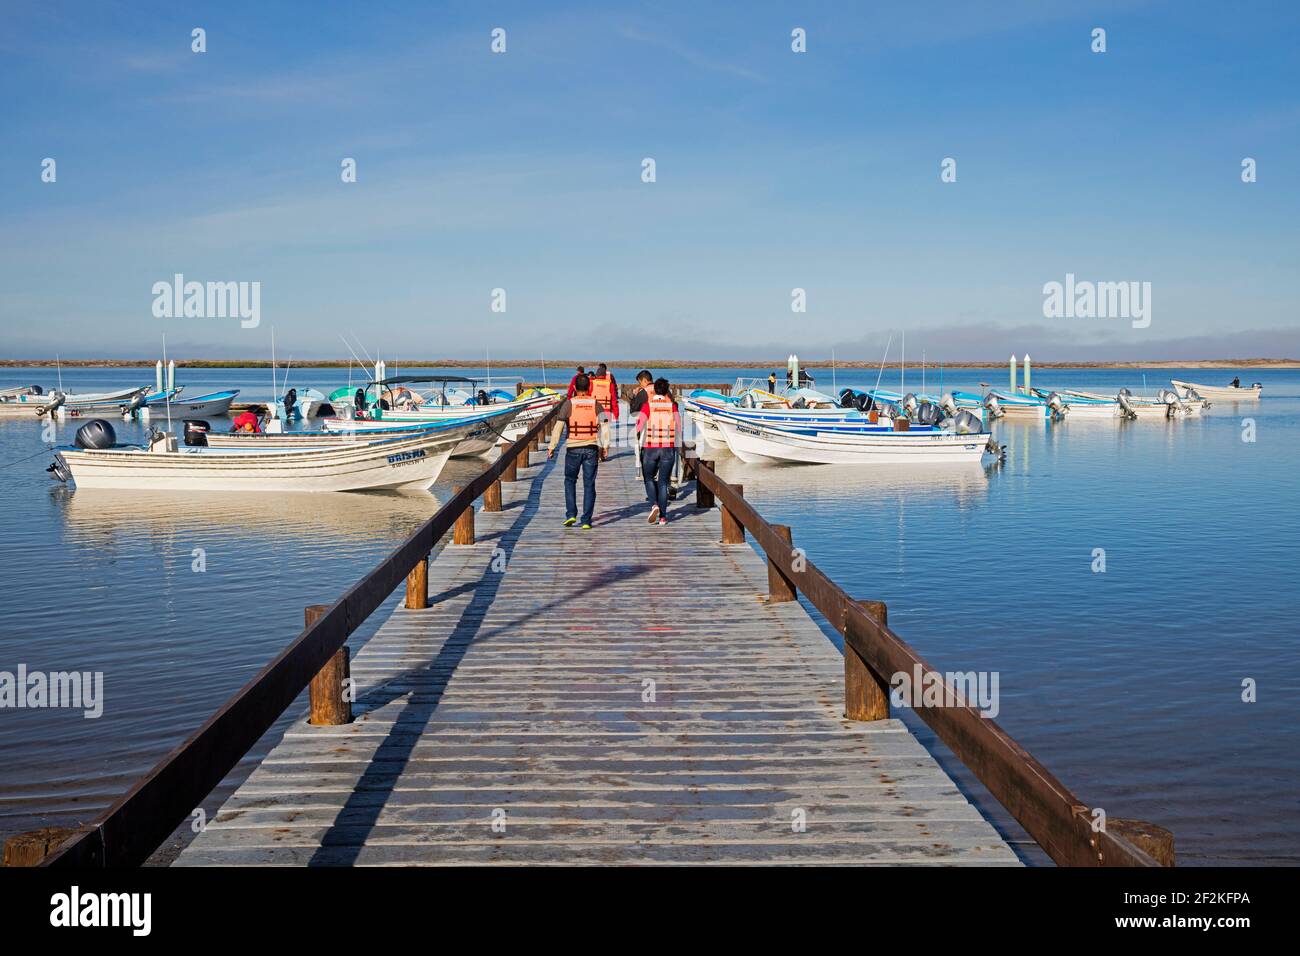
pixel 958 484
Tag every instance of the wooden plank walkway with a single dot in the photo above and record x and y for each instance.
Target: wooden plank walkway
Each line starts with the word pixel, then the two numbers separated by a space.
pixel 512 723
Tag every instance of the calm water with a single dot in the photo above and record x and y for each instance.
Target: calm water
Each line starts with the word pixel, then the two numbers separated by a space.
pixel 1126 684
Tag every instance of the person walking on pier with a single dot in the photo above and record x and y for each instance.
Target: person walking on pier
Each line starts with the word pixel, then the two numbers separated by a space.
pixel 660 425
pixel 605 391
pixel 645 387
pixel 588 435
pixel 573 381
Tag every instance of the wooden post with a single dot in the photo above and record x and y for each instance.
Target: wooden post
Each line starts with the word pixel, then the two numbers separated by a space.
pixel 417 586
pixel 463 532
pixel 733 532
pixel 1155 841
pixel 492 497
pixel 329 706
pixel 866 696
pixel 29 849
pixel 703 496
pixel 779 587
pixel 511 472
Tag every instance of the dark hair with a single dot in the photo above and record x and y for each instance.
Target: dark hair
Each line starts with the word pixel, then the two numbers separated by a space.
pixel 581 370
pixel 644 376
pixel 602 369
pixel 581 383
pixel 661 386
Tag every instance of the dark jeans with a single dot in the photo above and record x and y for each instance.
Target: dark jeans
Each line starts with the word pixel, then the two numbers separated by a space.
pixel 657 467
pixel 584 458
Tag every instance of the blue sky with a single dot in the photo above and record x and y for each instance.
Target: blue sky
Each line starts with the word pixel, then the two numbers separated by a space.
pixel 775 170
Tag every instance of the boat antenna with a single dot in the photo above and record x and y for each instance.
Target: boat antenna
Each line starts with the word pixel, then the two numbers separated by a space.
pixel 543 368
pixel 902 364
pixel 58 366
pixel 882 361
pixel 488 352
pixel 273 367
pixel 922 371
pixel 832 370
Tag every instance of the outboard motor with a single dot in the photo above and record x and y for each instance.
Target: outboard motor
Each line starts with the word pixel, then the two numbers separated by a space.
pixel 891 410
pixel 290 400
pixel 864 402
pixel 909 403
pixel 37 390
pixel 966 422
pixel 928 413
pixel 196 432
pixel 799 402
pixel 133 406
pixel 948 404
pixel 993 405
pixel 1058 406
pixel 59 469
pixel 1125 404
pixel 95 434
pixel 848 399
pixel 57 398
pixel 1171 399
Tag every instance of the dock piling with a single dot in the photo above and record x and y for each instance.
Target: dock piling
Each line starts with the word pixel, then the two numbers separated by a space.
pixel 511 471
pixel 463 532
pixel 703 495
pixel 329 704
pixel 30 848
pixel 780 588
pixel 417 586
pixel 733 532
pixel 1155 841
pixel 866 696
pixel 492 497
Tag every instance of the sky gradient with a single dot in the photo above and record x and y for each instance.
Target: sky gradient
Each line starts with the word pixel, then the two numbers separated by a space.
pixel 775 170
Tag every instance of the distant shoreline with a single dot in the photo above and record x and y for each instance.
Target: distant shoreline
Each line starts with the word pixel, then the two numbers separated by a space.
pixel 566 364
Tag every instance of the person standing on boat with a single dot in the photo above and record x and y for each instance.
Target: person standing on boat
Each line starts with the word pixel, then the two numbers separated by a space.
pixel 605 391
pixel 588 435
pixel 771 383
pixel 1236 382
pixel 660 424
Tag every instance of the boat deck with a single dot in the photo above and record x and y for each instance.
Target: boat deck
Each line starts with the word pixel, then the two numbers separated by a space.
pixel 623 695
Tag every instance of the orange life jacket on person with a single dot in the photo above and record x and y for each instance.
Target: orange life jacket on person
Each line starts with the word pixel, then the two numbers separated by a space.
pixel 661 427
pixel 602 389
pixel 584 420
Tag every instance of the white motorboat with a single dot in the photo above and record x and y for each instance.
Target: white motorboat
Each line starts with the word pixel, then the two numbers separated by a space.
pixel 403 462
pixel 753 442
pixel 212 405
pixel 34 401
pixel 1221 393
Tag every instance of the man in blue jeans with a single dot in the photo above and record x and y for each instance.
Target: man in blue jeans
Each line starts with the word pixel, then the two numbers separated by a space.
pixel 660 425
pixel 588 433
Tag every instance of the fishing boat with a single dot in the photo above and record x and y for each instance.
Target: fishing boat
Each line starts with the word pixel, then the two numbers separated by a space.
pixel 1165 404
pixel 470 433
pixel 1222 393
pixel 211 405
pixel 38 402
pixel 1080 407
pixel 1018 405
pixel 492 427
pixel 756 443
pixel 296 406
pixel 407 462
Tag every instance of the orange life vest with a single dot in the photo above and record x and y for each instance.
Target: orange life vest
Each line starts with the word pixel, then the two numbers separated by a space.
pixel 661 427
pixel 601 389
pixel 584 423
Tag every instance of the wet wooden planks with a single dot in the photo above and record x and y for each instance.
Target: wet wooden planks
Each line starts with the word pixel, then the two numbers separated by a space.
pixel 623 695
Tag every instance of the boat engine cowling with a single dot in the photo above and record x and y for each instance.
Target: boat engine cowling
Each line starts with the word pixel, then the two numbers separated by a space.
pixel 136 402
pixel 95 434
pixel 993 405
pixel 848 399
pixel 1057 404
pixel 196 432
pixel 928 413
pixel 57 398
pixel 966 422
pixel 865 402
pixel 948 403
pixel 909 403
pixel 1123 398
pixel 290 400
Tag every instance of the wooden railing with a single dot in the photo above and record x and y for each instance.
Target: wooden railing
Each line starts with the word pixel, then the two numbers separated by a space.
pixel 129 831
pixel 1062 824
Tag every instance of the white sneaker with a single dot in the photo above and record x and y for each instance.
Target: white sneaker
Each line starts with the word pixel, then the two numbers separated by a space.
pixel 654 514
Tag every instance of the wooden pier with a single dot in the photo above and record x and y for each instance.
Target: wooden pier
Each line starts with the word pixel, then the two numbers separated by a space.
pixel 629 694
pixel 620 695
